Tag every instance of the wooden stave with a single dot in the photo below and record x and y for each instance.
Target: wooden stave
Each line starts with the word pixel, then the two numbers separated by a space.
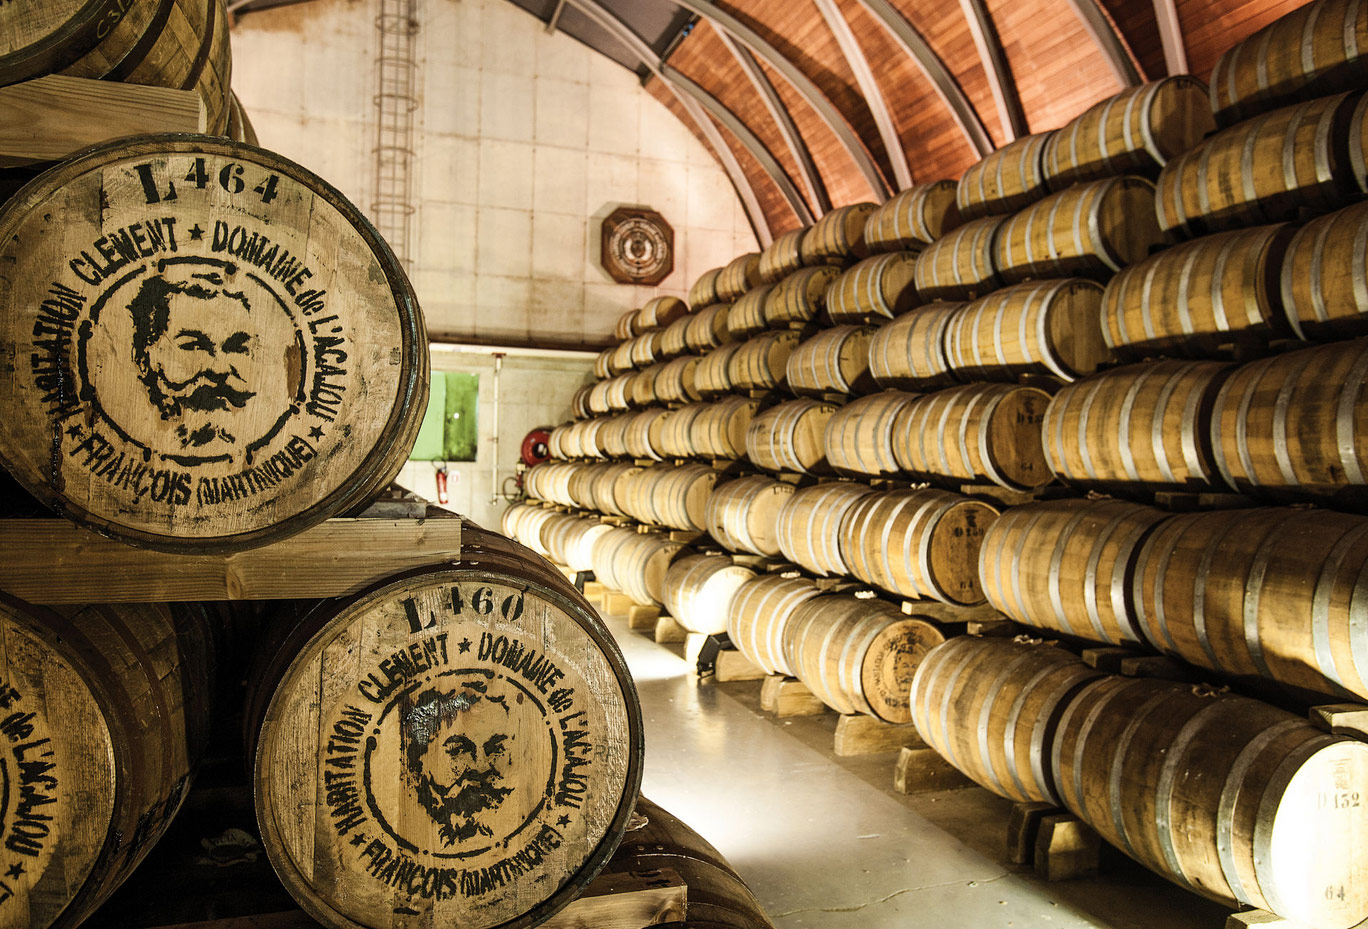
pixel 627 325
pixel 1006 180
pixel 1247 81
pixel 810 523
pixel 838 236
pixel 966 433
pixel 1195 296
pixel 643 349
pixel 699 591
pixel 961 264
pixel 1274 591
pixel 1079 452
pixel 484 556
pixel 759 613
pixel 1083 553
pixel 742 515
pixel 1090 230
pixel 1223 764
pixel 718 898
pixel 944 528
pixel 914 217
pixel 675 384
pixel 394 439
pixel 659 312
pixel 1258 449
pixel 642 391
pixel 703 293
pixel 834 361
pixel 1136 131
pixel 707 329
pixel 760 362
pixel 635 563
pixel 1320 304
pixel 991 707
pixel 139 680
pixel 620 361
pixel 859 443
pixel 719 432
pixel 738 276
pixel 192 52
pixel 746 318
pixel 909 352
pixel 673 341
pixel 783 256
pixel 858 655
pixel 81 45
pixel 1264 196
pixel 1046 311
pixel 712 376
pixel 770 438
pixel 800 297
pixel 881 286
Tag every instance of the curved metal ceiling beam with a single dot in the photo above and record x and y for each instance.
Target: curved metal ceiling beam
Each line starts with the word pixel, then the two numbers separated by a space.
pixel 1108 41
pixel 609 21
pixel 931 65
pixel 874 98
pixel 995 68
pixel 809 91
pixel 1171 35
pixel 811 177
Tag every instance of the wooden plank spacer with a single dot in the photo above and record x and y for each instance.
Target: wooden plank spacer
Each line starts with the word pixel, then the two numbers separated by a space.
pixel 922 770
pixel 1066 848
pixel 642 618
pixel 1346 719
pixel 857 734
pixel 1023 825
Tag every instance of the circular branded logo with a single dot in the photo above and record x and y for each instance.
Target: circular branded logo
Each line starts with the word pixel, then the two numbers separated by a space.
pixel 638 246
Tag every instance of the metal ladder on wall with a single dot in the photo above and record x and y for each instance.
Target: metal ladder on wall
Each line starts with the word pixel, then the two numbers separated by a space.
pixel 396 99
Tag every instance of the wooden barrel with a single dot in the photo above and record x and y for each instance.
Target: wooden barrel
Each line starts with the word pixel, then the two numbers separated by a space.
pixel 834 361
pixel 1090 230
pixel 920 544
pixel 1004 181
pixel 1295 426
pixel 382 677
pixel 783 256
pixel 642 391
pixel 1047 327
pixel 550 481
pixel 106 711
pixel 740 275
pixel 659 312
pixel 974 433
pixel 990 707
pixel 550 536
pixel 1320 299
pixel 613 435
pixel 761 361
pixel 628 325
pixel 759 616
pixel 675 437
pixel 641 434
pixel 675 383
pixel 707 329
pixel 719 431
pixel 598 397
pixel 742 515
pixel 1310 52
pixel 917 216
pixel 524 521
pixel 603 480
pixel 224 400
pixel 579 403
pixel 800 297
pixel 240 128
pixel 1137 131
pixel 878 287
pixel 1224 795
pixel 789 437
pixel 747 315
pixel 838 237
pixel 703 293
pixel 1266 170
pixel 1067 565
pixel 635 563
pixel 618 390
pixel 910 350
pixel 668 495
pixel 1192 298
pixel 959 265
pixel 603 363
pixel 673 339
pixel 699 591
pixel 620 361
pixel 712 376
pixel 859 436
pixel 1146 425
pixel 581 485
pixel 645 349
pixel 576 542
pixel 1269 593
pixel 858 655
pixel 810 525
pixel 717 897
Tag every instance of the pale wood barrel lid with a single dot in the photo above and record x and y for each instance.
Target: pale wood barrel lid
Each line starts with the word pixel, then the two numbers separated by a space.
pixel 57 778
pixel 313 315
pixel 360 822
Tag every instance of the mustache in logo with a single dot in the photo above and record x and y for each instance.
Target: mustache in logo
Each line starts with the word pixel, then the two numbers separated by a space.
pixel 212 393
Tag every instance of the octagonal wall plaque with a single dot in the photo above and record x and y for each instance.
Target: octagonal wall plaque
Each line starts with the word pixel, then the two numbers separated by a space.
pixel 637 246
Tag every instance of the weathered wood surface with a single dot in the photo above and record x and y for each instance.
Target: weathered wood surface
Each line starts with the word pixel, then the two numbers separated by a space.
pixel 864 735
pixel 54 561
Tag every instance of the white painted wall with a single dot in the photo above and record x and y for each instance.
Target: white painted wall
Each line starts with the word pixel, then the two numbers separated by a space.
pixel 526 141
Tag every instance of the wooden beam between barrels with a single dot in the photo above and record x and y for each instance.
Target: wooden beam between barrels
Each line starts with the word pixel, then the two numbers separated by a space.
pixel 788 696
pixel 669 632
pixel 642 618
pixel 54 561
pixel 857 734
pixel 49 118
pixel 922 770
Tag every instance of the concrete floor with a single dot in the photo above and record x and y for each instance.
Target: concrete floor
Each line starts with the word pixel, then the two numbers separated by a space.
pixel 826 842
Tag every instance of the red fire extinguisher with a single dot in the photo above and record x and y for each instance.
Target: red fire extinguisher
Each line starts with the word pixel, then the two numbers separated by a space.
pixel 442 496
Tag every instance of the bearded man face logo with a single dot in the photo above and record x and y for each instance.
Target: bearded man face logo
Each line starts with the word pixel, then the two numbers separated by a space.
pixel 457 755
